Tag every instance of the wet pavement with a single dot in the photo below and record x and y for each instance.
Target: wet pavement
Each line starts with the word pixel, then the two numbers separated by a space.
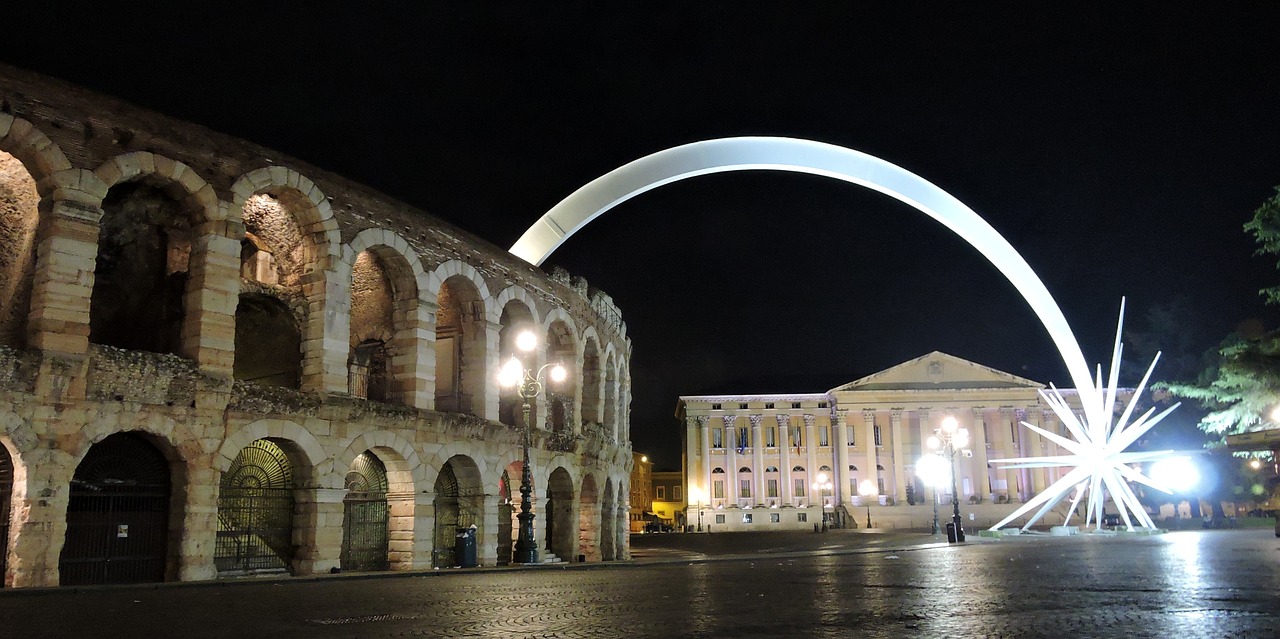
pixel 844 583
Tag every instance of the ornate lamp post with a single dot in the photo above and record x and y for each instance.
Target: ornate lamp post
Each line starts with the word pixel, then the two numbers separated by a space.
pixel 529 385
pixel 868 489
pixel 821 486
pixel 947 441
pixel 933 470
pixel 696 494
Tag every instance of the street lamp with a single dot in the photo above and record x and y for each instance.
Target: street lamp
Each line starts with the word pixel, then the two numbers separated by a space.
pixel 696 495
pixel 868 489
pixel 823 484
pixel 528 384
pixel 946 442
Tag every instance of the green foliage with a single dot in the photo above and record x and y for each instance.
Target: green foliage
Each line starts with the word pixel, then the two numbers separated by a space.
pixel 1265 227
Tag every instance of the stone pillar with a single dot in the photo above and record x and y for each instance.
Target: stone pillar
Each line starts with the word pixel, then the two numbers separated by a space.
pixel 731 460
pixel 38 524
pixel 413 364
pixel 982 474
pixel 402 530
pixel 784 455
pixel 1005 449
pixel 199 522
pixel 1049 420
pixel 58 320
pixel 869 424
pixel 317 529
pixel 326 335
pixel 757 460
pixel 1035 448
pixel 213 291
pixel 424 529
pixel 487 535
pixel 839 440
pixel 811 463
pixel 899 457
pixel 481 350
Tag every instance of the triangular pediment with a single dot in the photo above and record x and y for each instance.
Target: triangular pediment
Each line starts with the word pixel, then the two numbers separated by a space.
pixel 938 371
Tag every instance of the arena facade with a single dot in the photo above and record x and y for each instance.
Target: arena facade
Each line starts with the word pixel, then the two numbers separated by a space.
pixel 216 360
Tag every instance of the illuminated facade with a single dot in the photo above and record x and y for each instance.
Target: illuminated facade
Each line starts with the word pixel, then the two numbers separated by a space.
pixel 217 360
pixel 752 461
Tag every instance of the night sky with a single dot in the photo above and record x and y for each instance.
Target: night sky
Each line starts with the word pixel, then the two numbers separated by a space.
pixel 1119 149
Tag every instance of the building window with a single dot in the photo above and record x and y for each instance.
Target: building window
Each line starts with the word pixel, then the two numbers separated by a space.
pixel 877 433
pixel 718 489
pixel 742 406
pixel 822 436
pixel 662 493
pixel 768 405
pixel 1013 431
pixel 853 485
pixel 773 488
pixel 796 438
pixel 717 438
pixel 775 518
pixel 799 487
pixel 744 488
pixel 771 437
pixel 849 433
pixel 822 404
pixel 719 519
pixel 746 518
pixel 802 517
pixel 880 485
pixel 744 438
pixel 715 407
pixel 795 404
pixel 677 493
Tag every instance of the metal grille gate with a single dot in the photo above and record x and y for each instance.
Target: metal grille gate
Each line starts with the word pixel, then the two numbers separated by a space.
pixel 6 496
pixel 365 516
pixel 118 515
pixel 255 512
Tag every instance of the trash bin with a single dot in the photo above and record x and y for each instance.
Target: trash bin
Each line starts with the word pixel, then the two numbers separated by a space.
pixel 951 532
pixel 464 552
pixel 960 533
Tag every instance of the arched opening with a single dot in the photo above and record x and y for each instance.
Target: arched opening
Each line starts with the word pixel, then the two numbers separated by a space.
pixel 366 515
pixel 799 484
pixel 608 548
pixel 140 276
pixel 588 520
pixel 6 504
pixel 274 251
pixel 268 342
pixel 507 523
pixel 459 504
pixel 591 385
pixel 516 318
pixel 559 530
pixel 742 492
pixel 118 514
pixel 372 328
pixel 561 349
pixel 256 511
pixel 610 399
pixel 460 348
pixel 719 490
pixel 19 217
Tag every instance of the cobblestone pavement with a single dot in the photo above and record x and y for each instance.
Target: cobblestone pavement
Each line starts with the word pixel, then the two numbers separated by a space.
pixel 1187 584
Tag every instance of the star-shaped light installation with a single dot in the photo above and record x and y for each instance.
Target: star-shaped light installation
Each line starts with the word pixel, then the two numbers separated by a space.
pixel 1097 451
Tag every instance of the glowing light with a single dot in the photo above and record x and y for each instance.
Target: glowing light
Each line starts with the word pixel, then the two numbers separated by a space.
pixel 868 488
pixel 934 470
pixel 511 373
pixel 933 442
pixel 949 424
pixel 644 458
pixel 1178 473
pixel 1255 463
pixel 558 373
pixel 526 341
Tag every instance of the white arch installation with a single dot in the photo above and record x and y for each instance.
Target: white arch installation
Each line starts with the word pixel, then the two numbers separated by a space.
pixel 1098 450
pixel 815 158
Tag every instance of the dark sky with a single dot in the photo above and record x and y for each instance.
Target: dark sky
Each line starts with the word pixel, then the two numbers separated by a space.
pixel 1120 149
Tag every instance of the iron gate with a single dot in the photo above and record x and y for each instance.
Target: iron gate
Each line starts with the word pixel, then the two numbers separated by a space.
pixel 255 512
pixel 118 515
pixel 365 516
pixel 6 494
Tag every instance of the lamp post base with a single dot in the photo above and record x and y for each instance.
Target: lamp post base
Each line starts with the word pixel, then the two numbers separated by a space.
pixel 526 547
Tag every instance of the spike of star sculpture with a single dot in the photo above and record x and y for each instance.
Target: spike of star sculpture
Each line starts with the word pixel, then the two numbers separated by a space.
pixel 1101 465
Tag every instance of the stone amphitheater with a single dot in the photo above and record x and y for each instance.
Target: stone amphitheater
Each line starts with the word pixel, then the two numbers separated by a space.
pixel 219 361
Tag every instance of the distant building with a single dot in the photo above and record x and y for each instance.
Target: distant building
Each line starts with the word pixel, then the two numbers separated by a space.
pixel 668 498
pixel 641 491
pixel 752 461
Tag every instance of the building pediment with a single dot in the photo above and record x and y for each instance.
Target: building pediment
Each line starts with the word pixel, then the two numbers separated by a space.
pixel 939 371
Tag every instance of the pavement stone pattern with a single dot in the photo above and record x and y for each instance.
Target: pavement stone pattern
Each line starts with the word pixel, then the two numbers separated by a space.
pixel 1187 584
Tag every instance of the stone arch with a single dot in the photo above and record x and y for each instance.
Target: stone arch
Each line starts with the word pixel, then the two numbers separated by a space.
pixel 815 158
pixel 559 525
pixel 408 357
pixel 592 381
pixel 158 232
pixel 29 162
pixel 608 510
pixel 314 465
pixel 624 400
pixel 269 340
pixel 458 491
pixel 563 347
pixel 292 239
pixel 463 349
pixel 589 518
pixel 405 470
pixel 609 419
pixel 517 315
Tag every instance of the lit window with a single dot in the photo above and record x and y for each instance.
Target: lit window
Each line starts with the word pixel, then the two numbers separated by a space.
pixel 746 518
pixel 822 436
pixel 799 486
pixel 775 517
pixel 773 488
pixel 718 489
pixel 877 433
pixel 662 493
pixel 771 437
pixel 744 488
pixel 677 493
pixel 717 438
pixel 849 431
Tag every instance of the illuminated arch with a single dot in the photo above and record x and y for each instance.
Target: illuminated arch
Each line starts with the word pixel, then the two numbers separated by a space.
pixel 815 158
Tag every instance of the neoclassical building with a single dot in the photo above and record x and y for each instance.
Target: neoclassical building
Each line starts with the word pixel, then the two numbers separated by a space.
pixel 751 462
pixel 216 360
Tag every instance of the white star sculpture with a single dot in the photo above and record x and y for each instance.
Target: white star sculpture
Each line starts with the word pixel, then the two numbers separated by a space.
pixel 1097 451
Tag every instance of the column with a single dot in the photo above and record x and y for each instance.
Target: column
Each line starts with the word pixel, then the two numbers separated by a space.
pixel 730 460
pixel 899 459
pixel 982 475
pixel 1049 421
pixel 811 449
pixel 839 439
pixel 1002 437
pixel 318 516
pixel 1035 448
pixel 199 522
pixel 784 451
pixel 704 471
pixel 869 445
pixel 757 460
pixel 424 529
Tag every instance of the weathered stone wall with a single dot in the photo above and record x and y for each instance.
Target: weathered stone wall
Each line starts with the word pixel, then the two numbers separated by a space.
pixel 100 168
